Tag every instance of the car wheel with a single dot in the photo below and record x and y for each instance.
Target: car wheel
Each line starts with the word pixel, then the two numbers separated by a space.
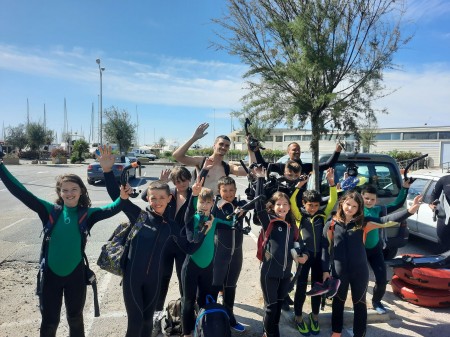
pixel 90 182
pixel 390 253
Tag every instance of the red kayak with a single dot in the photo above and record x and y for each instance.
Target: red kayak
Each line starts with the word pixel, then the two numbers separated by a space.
pixel 433 298
pixel 425 277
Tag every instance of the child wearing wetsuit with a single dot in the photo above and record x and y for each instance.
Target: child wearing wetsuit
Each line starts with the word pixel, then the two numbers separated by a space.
pixel 374 244
pixel 311 221
pixel 64 274
pixel 197 272
pixel 228 255
pixel 176 209
pixel 277 258
pixel 344 253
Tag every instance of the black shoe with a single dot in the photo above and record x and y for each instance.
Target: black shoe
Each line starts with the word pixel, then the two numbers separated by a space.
pixel 333 286
pixel 317 289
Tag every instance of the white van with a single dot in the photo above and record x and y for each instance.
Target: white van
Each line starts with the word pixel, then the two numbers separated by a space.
pixel 144 153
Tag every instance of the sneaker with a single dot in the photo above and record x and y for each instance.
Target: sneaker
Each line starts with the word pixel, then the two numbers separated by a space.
pixel 302 328
pixel 157 317
pixel 238 327
pixel 314 326
pixel 333 286
pixel 379 308
pixel 317 289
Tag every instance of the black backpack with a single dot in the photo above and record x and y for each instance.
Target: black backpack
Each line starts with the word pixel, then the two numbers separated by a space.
pixel 84 231
pixel 171 322
pixel 212 320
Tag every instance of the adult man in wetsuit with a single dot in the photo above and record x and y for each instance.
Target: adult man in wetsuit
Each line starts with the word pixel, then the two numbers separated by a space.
pixel 443 220
pixel 221 147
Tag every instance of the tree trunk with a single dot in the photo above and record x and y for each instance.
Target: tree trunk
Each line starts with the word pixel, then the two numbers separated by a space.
pixel 315 149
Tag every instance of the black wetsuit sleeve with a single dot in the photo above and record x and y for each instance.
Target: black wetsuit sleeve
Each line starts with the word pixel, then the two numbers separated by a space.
pixel 260 159
pixel 325 248
pixel 189 247
pixel 330 162
pixel 131 210
pixel 189 218
pixel 260 208
pixel 439 187
pixel 20 192
pixel 397 217
pixel 101 213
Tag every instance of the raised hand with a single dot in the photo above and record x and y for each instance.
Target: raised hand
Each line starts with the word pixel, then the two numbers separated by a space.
pixel 200 131
pixel 208 224
pixel 106 159
pixel 330 176
pixel 260 172
pixel 415 205
pixel 197 186
pixel 209 162
pixel 125 191
pixel 165 174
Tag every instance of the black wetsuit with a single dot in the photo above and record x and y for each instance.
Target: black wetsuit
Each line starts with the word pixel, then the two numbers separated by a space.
pixel 276 265
pixel 228 255
pixel 197 269
pixel 144 269
pixel 442 228
pixel 174 252
pixel 65 275
pixel 349 264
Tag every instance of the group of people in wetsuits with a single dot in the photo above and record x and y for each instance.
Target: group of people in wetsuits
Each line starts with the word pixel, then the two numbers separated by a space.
pixel 200 229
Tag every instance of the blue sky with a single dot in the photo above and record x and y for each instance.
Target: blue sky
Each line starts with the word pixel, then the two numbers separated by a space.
pixel 159 64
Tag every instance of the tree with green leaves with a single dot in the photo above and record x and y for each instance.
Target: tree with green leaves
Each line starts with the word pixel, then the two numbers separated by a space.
pixel 368 131
pixel 162 142
pixel 314 61
pixel 118 129
pixel 36 135
pixel 80 147
pixel 16 137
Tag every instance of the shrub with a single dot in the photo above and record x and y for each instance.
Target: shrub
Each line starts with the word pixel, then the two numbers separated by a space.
pixel 59 153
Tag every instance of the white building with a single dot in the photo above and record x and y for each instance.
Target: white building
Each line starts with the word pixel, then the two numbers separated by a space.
pixel 433 140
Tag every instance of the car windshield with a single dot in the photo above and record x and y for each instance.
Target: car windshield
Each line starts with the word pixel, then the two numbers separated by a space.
pixel 416 188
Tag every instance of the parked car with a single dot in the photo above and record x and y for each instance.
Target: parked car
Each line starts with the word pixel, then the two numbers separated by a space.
pixel 95 171
pixel 421 223
pixel 131 156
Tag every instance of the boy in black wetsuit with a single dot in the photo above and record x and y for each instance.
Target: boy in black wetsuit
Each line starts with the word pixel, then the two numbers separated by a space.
pixel 228 255
pixel 311 221
pixel 144 268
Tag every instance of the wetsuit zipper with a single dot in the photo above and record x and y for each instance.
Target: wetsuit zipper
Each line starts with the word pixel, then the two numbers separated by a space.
pixel 286 247
pixel 153 250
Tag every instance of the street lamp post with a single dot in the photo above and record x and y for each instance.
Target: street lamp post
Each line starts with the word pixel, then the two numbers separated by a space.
pixel 100 69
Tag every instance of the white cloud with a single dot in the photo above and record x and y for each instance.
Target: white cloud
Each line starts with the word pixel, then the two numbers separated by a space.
pixel 422 97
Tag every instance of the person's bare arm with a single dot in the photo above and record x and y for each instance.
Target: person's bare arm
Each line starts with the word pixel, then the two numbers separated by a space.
pixel 180 153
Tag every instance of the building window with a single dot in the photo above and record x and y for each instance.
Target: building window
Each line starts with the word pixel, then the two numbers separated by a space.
pixel 444 135
pixel 278 139
pixel 268 138
pixel 292 138
pixel 419 135
pixel 388 136
pixel 306 137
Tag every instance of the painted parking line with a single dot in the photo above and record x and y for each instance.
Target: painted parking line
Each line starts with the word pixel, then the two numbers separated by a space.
pixel 103 287
pixel 15 223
